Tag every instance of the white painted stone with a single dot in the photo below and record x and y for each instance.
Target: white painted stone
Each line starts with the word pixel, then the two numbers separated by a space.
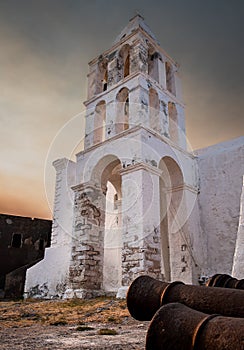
pixel 238 261
pixel 221 168
pixel 122 292
pixel 137 201
pixel 51 275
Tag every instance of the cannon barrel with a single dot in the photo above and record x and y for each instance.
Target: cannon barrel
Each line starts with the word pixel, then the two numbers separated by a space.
pixel 225 281
pixel 146 295
pixel 176 326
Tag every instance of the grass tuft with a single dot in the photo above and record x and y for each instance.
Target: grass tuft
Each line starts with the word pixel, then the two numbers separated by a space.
pixel 60 322
pixel 111 319
pixel 106 331
pixel 84 328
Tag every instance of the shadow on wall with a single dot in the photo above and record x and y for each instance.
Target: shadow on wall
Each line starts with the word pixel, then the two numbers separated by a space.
pixel 22 244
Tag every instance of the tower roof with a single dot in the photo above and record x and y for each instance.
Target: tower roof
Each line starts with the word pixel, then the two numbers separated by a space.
pixel 135 22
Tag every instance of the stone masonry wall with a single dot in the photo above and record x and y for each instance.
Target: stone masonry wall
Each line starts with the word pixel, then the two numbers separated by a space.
pixel 86 269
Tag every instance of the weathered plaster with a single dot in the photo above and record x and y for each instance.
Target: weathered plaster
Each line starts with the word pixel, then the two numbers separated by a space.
pixel 130 205
pixel 221 168
pixel 238 261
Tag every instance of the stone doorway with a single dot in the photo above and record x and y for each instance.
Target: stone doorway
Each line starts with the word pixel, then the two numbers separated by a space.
pixel 171 194
pixel 110 181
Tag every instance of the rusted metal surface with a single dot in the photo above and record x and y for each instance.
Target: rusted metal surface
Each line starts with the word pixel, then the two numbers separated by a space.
pixel 175 326
pixel 225 281
pixel 146 295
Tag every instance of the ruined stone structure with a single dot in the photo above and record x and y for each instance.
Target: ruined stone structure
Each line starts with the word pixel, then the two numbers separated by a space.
pixel 22 244
pixel 137 201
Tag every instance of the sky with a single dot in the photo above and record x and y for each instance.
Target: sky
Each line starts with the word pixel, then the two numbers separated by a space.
pixel 45 49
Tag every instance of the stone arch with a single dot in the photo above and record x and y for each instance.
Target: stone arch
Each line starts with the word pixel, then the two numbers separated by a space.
pixel 106 174
pixel 171 193
pixel 170 79
pixel 122 107
pixel 154 109
pixel 102 75
pixel 173 122
pixel 99 122
pixel 124 61
pixel 101 170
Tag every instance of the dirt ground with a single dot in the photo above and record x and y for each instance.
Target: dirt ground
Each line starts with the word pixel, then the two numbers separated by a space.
pixel 75 324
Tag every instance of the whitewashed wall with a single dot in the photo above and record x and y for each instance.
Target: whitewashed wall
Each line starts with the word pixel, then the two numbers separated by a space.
pixel 221 168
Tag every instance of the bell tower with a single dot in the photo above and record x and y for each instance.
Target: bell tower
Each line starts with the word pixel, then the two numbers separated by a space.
pixel 133 200
pixel 133 207
pixel 135 83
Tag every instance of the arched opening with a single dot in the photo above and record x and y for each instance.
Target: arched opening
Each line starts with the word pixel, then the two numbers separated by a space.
pixel 154 110
pixel 102 76
pixel 99 122
pixel 112 239
pixel 107 173
pixel 112 270
pixel 171 192
pixel 153 57
pixel 170 80
pixel 123 110
pixel 127 65
pixel 124 61
pixel 173 122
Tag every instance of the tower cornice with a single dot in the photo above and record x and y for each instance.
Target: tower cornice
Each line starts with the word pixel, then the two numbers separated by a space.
pixel 128 37
pixel 122 82
pixel 132 130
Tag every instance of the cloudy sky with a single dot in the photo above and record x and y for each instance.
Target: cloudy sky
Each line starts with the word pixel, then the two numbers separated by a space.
pixel 45 48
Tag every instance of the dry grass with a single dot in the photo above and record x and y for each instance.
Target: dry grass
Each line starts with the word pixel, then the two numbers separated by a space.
pixel 72 312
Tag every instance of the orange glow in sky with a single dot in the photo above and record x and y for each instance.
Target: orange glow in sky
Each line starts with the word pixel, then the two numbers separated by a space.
pixel 45 50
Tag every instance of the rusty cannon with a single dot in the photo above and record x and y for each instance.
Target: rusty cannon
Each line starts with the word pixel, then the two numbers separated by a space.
pixel 225 281
pixel 146 295
pixel 176 326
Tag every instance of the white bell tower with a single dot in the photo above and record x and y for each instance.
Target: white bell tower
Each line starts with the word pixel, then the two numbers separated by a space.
pixel 135 143
pixel 135 185
pixel 134 73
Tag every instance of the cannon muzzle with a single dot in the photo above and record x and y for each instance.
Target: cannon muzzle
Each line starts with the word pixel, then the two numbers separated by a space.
pixel 225 281
pixel 146 295
pixel 176 326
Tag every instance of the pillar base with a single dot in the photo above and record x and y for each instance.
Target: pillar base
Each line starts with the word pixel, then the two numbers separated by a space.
pixel 83 293
pixel 86 294
pixel 122 292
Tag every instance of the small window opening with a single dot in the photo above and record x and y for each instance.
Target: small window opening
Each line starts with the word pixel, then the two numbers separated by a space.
pixel 41 244
pixel 16 240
